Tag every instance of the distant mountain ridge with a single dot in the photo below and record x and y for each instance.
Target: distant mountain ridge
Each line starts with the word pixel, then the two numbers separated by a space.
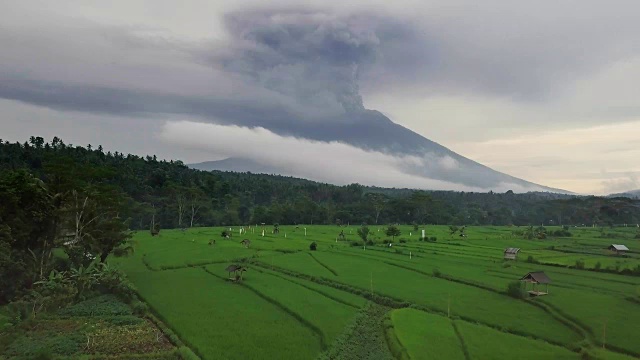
pixel 632 194
pixel 371 130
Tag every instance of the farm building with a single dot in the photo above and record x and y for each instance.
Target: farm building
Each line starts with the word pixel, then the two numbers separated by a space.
pixel 535 279
pixel 619 249
pixel 511 253
pixel 246 243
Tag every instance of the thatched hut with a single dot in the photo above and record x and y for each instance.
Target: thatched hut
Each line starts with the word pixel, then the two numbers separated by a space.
pixel 237 271
pixel 535 279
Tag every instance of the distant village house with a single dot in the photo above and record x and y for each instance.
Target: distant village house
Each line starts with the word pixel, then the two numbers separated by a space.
pixel 511 253
pixel 619 249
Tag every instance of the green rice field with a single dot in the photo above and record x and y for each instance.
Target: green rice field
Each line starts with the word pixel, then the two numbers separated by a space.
pixel 445 298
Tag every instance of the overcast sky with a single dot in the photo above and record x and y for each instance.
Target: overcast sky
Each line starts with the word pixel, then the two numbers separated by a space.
pixel 546 91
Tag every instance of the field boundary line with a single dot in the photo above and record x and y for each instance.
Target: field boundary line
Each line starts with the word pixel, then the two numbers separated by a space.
pixel 449 278
pixel 396 347
pixel 570 323
pixel 192 265
pixel 168 330
pixel 316 330
pixel 374 297
pixel 396 303
pixel 461 338
pixel 369 255
pixel 309 288
pixel 323 265
pixel 576 327
pixel 591 336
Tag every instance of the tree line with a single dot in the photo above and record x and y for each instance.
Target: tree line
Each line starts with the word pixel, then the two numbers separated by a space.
pixel 85 201
pixel 168 194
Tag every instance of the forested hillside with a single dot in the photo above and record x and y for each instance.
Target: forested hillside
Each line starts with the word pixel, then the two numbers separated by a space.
pixel 149 191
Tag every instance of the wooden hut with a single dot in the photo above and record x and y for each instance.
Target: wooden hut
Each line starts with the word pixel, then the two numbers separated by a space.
pixel 536 278
pixel 237 271
pixel 511 253
pixel 246 243
pixel 618 249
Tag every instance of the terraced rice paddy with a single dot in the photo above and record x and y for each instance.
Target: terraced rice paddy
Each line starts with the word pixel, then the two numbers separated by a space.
pixel 439 299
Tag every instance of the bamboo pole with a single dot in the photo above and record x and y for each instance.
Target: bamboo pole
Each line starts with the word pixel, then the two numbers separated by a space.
pixel 372 283
pixel 604 334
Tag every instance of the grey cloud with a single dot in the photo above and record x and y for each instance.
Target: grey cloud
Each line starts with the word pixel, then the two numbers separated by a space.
pixel 300 71
pixel 294 65
pixel 526 52
pixel 312 56
pixel 114 101
pixel 629 181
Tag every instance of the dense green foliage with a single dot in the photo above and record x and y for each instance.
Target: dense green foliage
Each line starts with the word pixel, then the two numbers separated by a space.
pixel 93 329
pixel 172 195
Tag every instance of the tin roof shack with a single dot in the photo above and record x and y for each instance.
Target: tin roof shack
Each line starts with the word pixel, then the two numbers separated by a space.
pixel 618 249
pixel 511 253
pixel 536 278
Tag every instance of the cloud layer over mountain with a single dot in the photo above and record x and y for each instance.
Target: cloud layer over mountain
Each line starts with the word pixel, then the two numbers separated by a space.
pixel 464 74
pixel 331 162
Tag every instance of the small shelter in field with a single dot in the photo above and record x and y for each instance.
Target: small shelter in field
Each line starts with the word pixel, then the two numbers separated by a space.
pixel 618 249
pixel 237 271
pixel 511 253
pixel 536 279
pixel 246 243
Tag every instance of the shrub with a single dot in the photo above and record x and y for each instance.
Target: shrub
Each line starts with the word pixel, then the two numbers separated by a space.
pixel 597 266
pixel 139 308
pixel 436 272
pixel 564 232
pixel 580 264
pixel 187 354
pixel 101 305
pixel 356 243
pixel 532 260
pixel 433 239
pixel 514 289
pixel 313 246
pixel 403 241
pixel 370 242
pixel 43 354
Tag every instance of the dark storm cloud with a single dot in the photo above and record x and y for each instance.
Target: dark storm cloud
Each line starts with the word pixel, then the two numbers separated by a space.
pixel 114 101
pixel 285 66
pixel 311 56
pixel 276 67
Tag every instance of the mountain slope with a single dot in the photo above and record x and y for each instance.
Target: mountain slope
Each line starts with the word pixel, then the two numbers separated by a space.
pixel 632 194
pixel 371 130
